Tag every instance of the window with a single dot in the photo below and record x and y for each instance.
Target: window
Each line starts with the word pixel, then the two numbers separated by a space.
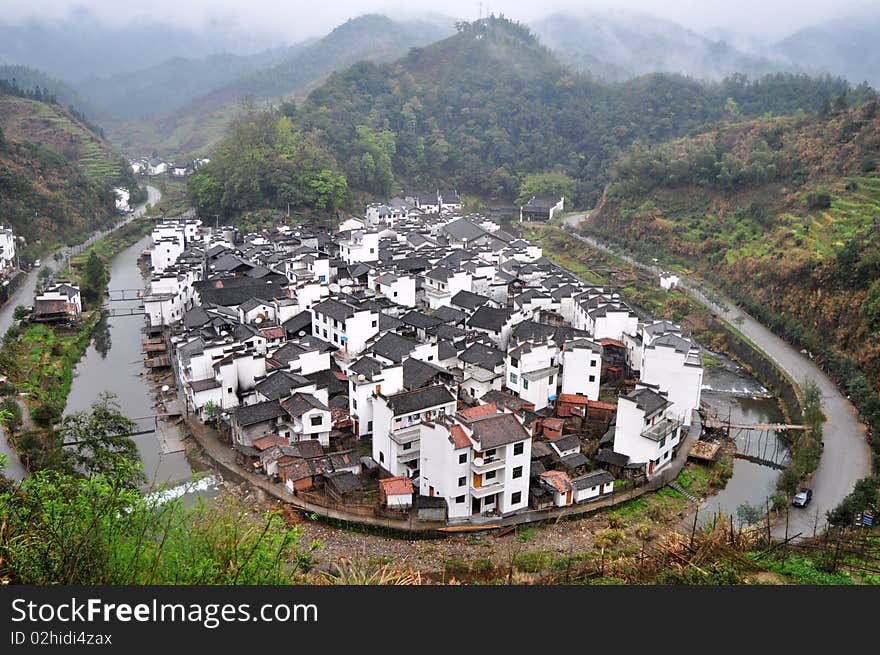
pixel 666 456
pixel 407 446
pixel 516 497
pixel 525 384
pixel 592 378
pixel 336 338
pixel 318 420
pixel 462 459
pixel 663 442
pixel 518 448
pixel 459 499
pixel 513 378
pixel 430 358
pixel 229 390
pixel 593 363
pixel 489 453
pixel 373 324
pixel 354 403
pixel 462 481
pixel 490 500
pixel 369 426
pixel 517 472
pixel 335 323
pixel 325 333
pixel 491 475
pixel 551 380
pixel 514 362
pixel 381 457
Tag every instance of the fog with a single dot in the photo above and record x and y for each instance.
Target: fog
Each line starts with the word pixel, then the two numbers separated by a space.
pixel 743 21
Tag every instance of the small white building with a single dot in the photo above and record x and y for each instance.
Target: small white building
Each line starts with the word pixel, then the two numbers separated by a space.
pixel 533 373
pixel 645 431
pixel 397 422
pixel 368 377
pixel 668 281
pixel 348 327
pixel 309 419
pixel 7 248
pixel 479 462
pixel 593 486
pixel 581 368
pixel 361 246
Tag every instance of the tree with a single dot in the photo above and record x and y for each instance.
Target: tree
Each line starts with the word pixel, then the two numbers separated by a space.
pixel 550 183
pixel 211 412
pixel 101 441
pixel 21 312
pixel 94 277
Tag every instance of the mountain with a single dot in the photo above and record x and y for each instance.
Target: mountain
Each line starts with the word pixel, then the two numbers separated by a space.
pixel 480 112
pixel 846 46
pixel 781 213
pixel 620 45
pixel 56 174
pixel 173 84
pixel 29 79
pixel 83 45
pixel 490 104
pixel 196 127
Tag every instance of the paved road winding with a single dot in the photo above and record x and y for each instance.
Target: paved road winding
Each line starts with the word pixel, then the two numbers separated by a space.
pixel 846 457
pixel 24 295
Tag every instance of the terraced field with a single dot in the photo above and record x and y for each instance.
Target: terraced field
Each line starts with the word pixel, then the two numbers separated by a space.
pixel 28 120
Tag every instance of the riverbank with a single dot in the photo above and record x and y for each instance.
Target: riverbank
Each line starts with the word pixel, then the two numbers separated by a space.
pixel 846 457
pixel 42 359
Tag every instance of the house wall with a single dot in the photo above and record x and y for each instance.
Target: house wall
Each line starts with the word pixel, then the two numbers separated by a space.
pixel 628 439
pixel 663 366
pixel 581 372
pixel 439 467
pixel 613 325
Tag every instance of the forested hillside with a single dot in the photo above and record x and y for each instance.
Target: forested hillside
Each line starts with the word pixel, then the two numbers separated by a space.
pixel 194 126
pixel 56 175
pixel 486 107
pixel 784 213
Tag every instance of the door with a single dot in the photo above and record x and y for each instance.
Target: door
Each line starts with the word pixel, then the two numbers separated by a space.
pixel 430 491
pixel 478 480
pixel 475 506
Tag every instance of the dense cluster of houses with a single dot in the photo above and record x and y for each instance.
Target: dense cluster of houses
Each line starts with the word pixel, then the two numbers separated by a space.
pixel 437 352
pixel 156 166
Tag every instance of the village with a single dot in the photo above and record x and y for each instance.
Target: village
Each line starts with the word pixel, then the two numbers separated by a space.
pixel 418 363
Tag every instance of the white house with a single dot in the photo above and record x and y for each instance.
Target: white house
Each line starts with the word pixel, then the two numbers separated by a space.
pixel 533 372
pixel 442 283
pixel 58 301
pixel 592 486
pixel 309 419
pixel 361 246
pixel 396 423
pixel 366 378
pixel 645 431
pixel 397 287
pixel 7 248
pixel 478 461
pixel 581 368
pixel 346 326
pixel 668 281
pixel 675 364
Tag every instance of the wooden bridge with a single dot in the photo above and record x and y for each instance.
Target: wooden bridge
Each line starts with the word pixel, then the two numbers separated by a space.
pixel 715 423
pixel 118 295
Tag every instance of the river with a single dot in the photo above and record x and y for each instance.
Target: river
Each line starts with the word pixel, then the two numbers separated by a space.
pixel 731 392
pixel 846 457
pixel 24 295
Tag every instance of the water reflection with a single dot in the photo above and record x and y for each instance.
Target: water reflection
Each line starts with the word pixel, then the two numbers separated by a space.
pixel 102 339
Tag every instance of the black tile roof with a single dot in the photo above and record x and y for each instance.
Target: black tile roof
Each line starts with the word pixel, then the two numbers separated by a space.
pixel 483 356
pixel 498 430
pixel 258 413
pixel 394 347
pixel 490 318
pixel 469 300
pixel 421 399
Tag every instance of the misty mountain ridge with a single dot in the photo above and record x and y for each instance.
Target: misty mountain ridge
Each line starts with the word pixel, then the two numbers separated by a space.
pixel 620 45
pixel 82 45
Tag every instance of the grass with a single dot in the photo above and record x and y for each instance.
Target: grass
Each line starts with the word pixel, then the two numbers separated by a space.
pixel 801 570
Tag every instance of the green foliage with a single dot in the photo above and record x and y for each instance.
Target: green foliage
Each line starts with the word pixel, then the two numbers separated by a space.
pixel 20 312
pixel 100 440
pixel 265 161
pixel 552 183
pixel 94 278
pixel 65 529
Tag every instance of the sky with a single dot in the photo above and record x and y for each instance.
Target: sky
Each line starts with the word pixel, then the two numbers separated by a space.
pixel 296 19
